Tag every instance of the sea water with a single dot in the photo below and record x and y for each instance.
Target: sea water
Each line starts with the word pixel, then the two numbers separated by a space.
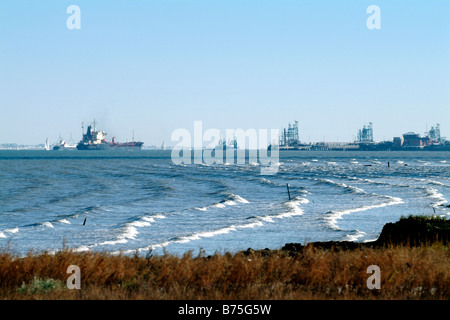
pixel 140 201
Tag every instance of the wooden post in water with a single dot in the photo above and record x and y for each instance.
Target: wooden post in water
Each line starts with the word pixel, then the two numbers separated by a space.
pixel 289 194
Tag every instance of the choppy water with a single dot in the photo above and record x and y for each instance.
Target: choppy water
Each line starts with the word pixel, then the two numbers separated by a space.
pixel 141 201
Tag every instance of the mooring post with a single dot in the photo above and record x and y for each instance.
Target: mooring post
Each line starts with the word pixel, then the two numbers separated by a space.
pixel 289 194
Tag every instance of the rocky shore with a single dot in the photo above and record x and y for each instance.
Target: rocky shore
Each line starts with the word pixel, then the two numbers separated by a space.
pixel 412 231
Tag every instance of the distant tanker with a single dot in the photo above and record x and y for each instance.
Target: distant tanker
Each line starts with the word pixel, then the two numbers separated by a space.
pixel 96 140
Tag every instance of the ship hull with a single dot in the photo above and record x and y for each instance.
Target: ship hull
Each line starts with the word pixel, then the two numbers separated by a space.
pixel 125 148
pixel 108 146
pixel 62 147
pixel 92 146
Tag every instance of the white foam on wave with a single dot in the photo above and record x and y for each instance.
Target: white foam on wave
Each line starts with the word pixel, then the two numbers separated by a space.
pixel 300 200
pixel 238 198
pixel 140 223
pixel 13 230
pixel 47 224
pixel 250 225
pixel 369 181
pixel 264 180
pixel 207 234
pixel 432 182
pixel 294 210
pixel 354 189
pixel 266 218
pixel 153 217
pixel 201 209
pixel 434 194
pixel 369 240
pixel 198 236
pixel 112 242
pixel 148 219
pixel 354 237
pixel 82 249
pixel 287 215
pixel 64 221
pixel 438 183
pixel 229 201
pixel 130 231
pixel 342 185
pixel 336 215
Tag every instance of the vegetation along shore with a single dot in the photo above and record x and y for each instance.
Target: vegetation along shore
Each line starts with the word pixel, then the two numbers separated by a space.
pixel 412 255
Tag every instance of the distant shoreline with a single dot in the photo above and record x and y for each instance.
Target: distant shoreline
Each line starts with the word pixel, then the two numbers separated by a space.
pixel 144 149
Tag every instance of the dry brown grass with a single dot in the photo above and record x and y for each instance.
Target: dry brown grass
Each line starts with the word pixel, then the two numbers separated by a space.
pixel 406 273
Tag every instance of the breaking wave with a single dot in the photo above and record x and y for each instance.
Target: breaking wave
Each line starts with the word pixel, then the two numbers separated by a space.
pixel 355 235
pixel 10 231
pixel 347 188
pixel 47 224
pixel 230 200
pixel 437 196
pixel 332 216
pixel 197 236
pixel 129 231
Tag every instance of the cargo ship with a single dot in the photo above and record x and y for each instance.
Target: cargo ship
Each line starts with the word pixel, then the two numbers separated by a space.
pixel 63 145
pixel 95 139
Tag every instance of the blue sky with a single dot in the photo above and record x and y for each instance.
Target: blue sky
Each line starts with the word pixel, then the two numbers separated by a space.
pixel 155 66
